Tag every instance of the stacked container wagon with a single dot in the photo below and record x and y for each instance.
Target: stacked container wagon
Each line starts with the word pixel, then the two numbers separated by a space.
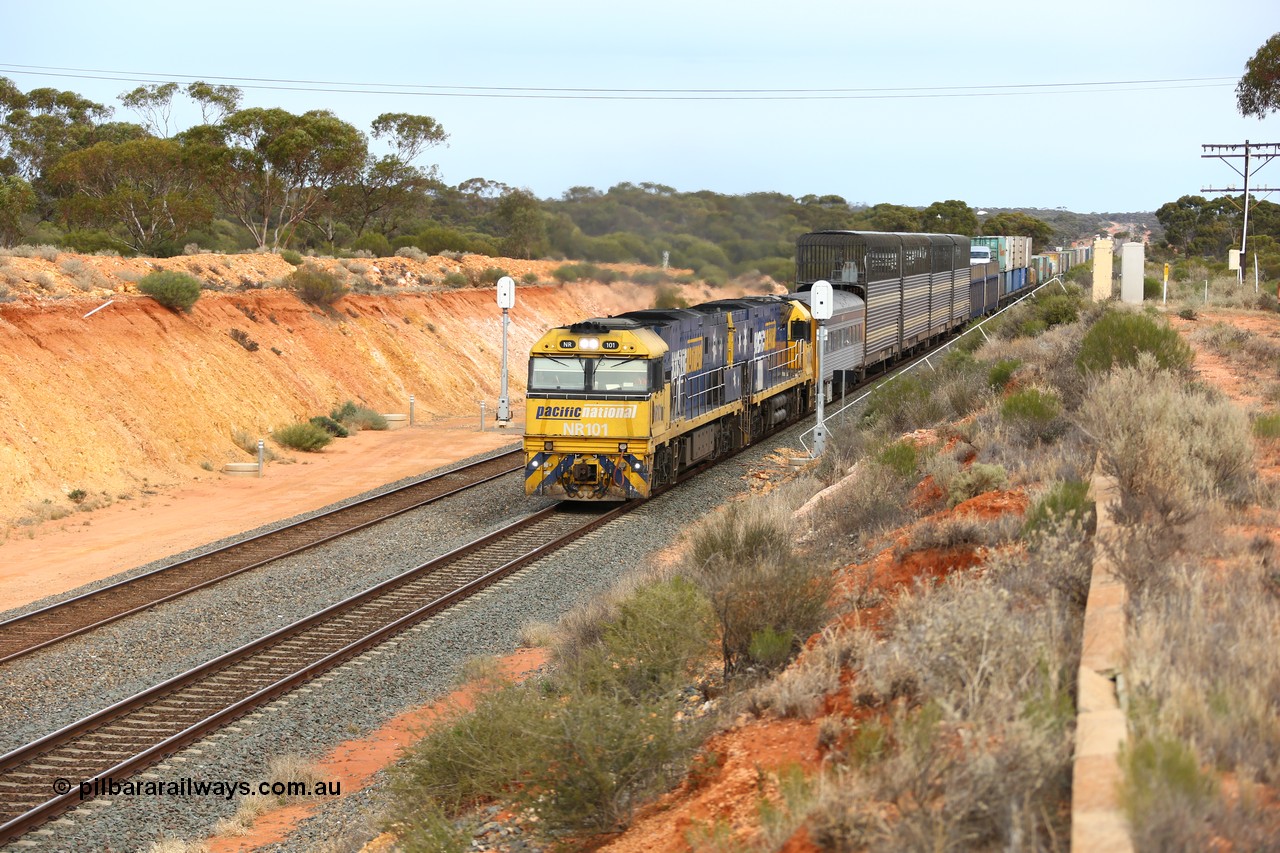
pixel 1002 268
pixel 1058 262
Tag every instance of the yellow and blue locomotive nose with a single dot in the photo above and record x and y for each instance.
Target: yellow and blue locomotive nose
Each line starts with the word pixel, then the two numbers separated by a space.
pixel 587 476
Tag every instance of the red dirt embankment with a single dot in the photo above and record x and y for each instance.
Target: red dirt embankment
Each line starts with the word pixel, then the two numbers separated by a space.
pixel 137 397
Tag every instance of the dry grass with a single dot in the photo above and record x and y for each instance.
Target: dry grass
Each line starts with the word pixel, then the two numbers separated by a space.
pixel 285 769
pixel 1171 446
pixel 1203 673
pixel 955 532
pixel 974 750
pixel 871 500
pixel 1223 291
pixel 169 844
pixel 799 690
pixel 758 586
pixel 1214 686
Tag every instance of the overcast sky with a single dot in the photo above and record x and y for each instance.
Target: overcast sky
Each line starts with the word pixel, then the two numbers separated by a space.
pixel 1096 147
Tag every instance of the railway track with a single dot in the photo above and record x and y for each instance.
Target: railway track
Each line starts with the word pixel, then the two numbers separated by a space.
pixel 46 626
pixel 42 779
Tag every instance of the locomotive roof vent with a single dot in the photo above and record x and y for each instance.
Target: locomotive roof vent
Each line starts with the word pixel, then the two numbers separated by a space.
pixel 602 324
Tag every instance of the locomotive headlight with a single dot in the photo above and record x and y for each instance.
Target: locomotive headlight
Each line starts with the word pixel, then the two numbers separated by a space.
pixel 622 447
pixel 637 465
pixel 588 343
pixel 534 464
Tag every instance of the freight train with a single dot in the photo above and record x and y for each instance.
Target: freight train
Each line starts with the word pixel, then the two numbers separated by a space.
pixel 617 407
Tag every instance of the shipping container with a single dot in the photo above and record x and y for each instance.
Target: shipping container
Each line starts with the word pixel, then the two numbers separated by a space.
pixel 999 247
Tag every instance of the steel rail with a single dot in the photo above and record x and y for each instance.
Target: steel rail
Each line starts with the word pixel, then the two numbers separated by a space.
pixel 46 626
pixel 74 753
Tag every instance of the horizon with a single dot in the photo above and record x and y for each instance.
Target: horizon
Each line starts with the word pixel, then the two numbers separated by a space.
pixel 1003 107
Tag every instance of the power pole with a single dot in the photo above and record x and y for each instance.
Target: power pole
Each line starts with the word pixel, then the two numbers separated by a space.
pixel 1263 153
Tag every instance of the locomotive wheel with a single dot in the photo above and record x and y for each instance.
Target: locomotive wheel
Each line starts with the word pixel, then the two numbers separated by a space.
pixel 662 470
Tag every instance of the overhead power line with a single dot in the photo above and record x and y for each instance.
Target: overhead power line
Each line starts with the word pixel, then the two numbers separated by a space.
pixel 582 93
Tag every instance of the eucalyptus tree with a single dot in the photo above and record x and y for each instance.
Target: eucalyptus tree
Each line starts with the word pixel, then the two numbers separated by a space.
pixel 387 189
pixel 39 126
pixel 1017 223
pixel 270 168
pixel 17 199
pixel 949 217
pixel 1258 92
pixel 154 103
pixel 144 190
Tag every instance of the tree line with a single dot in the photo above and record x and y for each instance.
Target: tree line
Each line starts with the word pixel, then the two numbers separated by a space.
pixel 267 179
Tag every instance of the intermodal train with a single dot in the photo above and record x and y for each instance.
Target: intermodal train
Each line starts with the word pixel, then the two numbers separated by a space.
pixel 617 407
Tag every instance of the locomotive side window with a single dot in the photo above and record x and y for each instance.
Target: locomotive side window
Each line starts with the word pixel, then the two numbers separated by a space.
pixel 557 374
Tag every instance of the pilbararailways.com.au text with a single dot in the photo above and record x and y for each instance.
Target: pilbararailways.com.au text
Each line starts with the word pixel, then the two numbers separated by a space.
pixel 188 787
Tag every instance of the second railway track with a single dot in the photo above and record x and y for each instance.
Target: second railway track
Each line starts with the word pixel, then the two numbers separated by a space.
pixel 48 625
pixel 141 730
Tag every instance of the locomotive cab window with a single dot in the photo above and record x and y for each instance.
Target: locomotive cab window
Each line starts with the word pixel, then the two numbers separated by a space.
pixel 549 374
pixel 559 373
pixel 621 376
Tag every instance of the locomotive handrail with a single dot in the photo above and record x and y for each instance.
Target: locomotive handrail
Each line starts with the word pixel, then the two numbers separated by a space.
pixel 913 365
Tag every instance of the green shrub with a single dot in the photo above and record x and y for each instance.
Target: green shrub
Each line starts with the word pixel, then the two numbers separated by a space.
pixel 713 275
pixel 456 279
pixel 1066 502
pixel 1120 336
pixel 316 285
pixel 1002 371
pixel 650 277
pixel 306 437
pixel 771 648
pixel 978 479
pixel 1267 426
pixel 600 758
pixel 742 560
pixel 375 243
pixel 902 456
pixel 1032 412
pixel 1058 309
pixel 577 762
pixel 1152 288
pixel 490 275
pixel 77 496
pixel 645 643
pixel 89 242
pixel 174 290
pixel 902 404
pixel 669 297
pixel 359 417
pixel 292 257
pixel 1167 796
pixel 529 278
pixel 330 426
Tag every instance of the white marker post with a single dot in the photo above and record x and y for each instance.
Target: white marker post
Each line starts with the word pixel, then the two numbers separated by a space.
pixel 506 301
pixel 820 302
